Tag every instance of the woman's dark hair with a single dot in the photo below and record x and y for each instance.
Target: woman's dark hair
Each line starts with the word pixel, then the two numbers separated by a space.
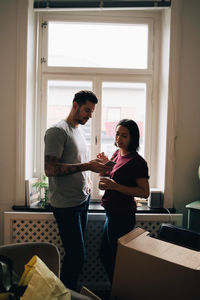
pixel 134 133
pixel 82 96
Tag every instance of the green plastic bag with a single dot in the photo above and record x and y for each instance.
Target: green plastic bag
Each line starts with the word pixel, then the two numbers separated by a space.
pixel 8 277
pixel 9 289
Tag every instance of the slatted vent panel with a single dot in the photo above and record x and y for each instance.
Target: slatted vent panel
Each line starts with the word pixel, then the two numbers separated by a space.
pixel 36 231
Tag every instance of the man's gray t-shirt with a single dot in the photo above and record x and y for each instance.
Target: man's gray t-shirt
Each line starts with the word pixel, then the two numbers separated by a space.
pixel 68 144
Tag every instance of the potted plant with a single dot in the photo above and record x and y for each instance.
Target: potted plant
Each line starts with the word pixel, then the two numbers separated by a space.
pixel 42 185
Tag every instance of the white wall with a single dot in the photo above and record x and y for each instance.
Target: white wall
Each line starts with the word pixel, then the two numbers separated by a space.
pixel 31 93
pixel 163 99
pixel 187 154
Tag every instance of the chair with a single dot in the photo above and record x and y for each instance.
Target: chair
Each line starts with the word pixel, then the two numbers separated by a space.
pixel 180 236
pixel 21 253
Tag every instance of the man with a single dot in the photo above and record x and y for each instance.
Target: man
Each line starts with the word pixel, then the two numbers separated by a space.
pixel 66 160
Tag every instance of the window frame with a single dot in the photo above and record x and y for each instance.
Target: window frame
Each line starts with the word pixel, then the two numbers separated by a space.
pixel 97 76
pixel 90 18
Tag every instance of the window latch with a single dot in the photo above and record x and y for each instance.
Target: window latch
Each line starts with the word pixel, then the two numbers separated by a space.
pixel 43 60
pixel 44 24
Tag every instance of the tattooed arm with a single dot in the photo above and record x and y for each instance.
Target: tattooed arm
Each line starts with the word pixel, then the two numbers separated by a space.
pixel 54 168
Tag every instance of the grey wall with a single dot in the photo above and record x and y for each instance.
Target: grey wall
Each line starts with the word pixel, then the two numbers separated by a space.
pixel 8 25
pixel 187 155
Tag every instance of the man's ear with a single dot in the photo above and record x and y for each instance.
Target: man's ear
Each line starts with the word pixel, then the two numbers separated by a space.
pixel 75 106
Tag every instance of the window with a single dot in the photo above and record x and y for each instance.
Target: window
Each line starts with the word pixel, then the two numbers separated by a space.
pixel 111 55
pixel 121 100
pixel 105 45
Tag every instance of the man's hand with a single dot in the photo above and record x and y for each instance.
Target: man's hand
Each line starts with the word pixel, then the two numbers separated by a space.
pixel 89 185
pixel 97 166
pixel 54 168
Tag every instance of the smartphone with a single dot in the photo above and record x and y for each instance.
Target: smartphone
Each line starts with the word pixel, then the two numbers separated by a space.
pixel 110 163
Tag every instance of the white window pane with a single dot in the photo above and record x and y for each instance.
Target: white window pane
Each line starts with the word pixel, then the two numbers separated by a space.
pixel 59 102
pixel 98 45
pixel 121 100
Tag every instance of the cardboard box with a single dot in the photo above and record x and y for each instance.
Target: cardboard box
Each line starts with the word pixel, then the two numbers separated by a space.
pixel 150 269
pixel 86 292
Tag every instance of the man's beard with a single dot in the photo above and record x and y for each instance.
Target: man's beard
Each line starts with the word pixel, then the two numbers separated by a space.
pixel 82 121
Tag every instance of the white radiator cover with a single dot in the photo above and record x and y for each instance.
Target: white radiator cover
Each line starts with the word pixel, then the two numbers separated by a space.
pixel 41 227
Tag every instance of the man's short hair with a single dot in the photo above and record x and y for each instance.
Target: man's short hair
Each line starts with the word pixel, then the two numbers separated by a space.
pixel 82 96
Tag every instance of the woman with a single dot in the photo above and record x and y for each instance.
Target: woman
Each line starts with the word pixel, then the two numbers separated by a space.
pixel 128 179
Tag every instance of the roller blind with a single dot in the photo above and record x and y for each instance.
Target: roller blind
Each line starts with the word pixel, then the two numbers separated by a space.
pixel 77 4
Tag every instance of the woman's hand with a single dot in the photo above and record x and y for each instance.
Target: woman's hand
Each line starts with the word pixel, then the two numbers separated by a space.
pixel 107 184
pixel 141 190
pixel 103 157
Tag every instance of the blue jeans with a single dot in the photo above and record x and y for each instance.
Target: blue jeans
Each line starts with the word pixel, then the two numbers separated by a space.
pixel 72 224
pixel 114 228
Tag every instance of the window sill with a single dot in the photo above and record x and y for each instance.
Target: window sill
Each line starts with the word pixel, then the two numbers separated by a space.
pixel 97 208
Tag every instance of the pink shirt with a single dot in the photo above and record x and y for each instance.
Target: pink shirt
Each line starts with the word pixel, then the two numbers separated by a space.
pixel 127 170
